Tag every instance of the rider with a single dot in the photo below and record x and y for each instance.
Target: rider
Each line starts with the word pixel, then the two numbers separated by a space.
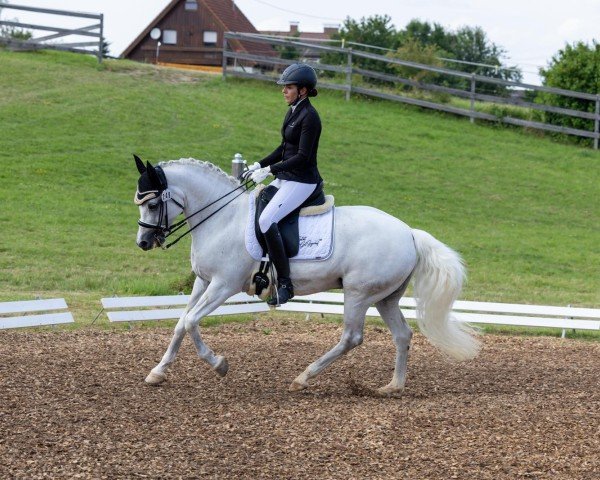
pixel 294 165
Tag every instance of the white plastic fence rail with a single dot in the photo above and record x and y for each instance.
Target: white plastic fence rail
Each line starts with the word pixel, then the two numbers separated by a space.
pixel 333 304
pixel 233 306
pixel 11 313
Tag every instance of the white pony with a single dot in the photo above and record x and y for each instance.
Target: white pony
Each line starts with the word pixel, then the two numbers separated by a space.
pixel 374 259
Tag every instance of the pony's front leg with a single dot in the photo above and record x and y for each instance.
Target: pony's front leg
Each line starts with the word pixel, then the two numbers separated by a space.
pixel 352 336
pixel 215 295
pixel 157 374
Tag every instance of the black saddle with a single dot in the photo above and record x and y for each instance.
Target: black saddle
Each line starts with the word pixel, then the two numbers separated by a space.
pixel 288 226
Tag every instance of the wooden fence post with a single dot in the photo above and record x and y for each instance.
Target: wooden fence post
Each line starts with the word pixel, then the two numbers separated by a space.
pixel 224 62
pixel 349 75
pixel 101 41
pixel 472 97
pixel 597 122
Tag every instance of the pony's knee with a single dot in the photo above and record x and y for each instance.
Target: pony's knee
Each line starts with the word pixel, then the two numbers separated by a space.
pixel 354 339
pixel 190 324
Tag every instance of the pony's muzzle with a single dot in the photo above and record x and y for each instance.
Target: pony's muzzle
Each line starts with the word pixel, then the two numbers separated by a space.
pixel 150 241
pixel 145 245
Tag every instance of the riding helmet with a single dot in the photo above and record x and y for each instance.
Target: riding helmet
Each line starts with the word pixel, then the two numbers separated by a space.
pixel 300 74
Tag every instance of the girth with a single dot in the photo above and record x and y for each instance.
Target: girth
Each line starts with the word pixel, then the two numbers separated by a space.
pixel 288 226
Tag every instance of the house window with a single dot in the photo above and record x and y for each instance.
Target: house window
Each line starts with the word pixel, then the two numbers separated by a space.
pixel 210 38
pixel 170 37
pixel 191 5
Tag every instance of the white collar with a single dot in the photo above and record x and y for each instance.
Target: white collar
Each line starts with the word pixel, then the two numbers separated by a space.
pixel 294 106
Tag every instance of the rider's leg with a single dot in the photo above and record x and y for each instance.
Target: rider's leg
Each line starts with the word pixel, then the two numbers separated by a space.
pixel 289 197
pixel 278 255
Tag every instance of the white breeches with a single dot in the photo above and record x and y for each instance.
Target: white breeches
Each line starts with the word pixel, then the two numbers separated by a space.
pixel 289 197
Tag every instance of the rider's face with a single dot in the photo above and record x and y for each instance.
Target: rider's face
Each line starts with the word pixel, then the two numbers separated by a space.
pixel 290 93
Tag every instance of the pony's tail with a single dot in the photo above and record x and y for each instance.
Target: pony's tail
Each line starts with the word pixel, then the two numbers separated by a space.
pixel 438 279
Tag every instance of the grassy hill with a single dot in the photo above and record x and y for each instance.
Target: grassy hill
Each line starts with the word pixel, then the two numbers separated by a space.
pixel 522 210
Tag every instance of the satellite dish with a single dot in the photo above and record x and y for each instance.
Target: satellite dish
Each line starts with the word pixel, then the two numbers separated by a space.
pixel 155 33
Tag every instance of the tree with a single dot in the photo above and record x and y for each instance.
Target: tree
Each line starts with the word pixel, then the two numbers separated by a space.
pixel 105 48
pixel 288 52
pixel 467 44
pixel 376 31
pixel 575 67
pixel 424 33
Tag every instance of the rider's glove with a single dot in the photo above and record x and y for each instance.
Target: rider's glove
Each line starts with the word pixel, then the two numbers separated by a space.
pixel 246 174
pixel 260 174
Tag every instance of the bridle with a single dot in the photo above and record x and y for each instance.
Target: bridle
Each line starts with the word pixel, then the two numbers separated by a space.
pixel 163 231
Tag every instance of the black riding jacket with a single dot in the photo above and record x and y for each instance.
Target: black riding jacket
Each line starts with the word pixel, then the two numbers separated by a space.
pixel 296 158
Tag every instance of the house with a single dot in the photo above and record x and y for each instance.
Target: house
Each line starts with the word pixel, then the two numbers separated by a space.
pixel 309 37
pixel 190 32
pixel 326 34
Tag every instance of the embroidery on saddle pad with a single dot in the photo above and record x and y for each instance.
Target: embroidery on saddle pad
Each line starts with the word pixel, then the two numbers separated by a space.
pixel 316 231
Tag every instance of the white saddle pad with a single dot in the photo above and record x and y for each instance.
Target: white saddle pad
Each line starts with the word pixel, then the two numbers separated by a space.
pixel 316 235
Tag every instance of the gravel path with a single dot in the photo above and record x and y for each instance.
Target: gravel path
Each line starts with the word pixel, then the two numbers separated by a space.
pixel 74 405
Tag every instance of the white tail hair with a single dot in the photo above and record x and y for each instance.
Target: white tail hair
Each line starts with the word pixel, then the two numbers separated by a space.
pixel 438 280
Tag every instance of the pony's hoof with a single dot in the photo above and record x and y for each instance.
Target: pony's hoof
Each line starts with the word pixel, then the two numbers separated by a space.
pixel 297 386
pixel 222 366
pixel 155 379
pixel 389 391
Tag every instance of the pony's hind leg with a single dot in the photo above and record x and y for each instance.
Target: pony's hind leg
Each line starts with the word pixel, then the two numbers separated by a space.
pixel 401 335
pixel 157 374
pixel 352 336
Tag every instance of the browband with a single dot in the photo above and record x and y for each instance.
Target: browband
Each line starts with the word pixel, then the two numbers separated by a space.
pixel 143 197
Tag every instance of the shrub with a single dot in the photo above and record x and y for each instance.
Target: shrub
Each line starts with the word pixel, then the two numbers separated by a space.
pixel 575 67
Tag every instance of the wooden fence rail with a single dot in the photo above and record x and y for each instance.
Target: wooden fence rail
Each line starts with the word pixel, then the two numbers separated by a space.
pixel 237 64
pixel 42 42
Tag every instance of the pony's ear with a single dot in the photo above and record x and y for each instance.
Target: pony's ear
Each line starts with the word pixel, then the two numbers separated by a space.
pixel 152 175
pixel 140 165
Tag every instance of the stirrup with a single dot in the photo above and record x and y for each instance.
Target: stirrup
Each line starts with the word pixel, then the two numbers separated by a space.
pixel 284 293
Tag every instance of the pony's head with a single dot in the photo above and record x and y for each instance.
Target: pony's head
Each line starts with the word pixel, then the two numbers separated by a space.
pixel 159 205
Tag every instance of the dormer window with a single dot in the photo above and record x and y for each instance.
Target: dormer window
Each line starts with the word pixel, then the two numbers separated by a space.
pixel 191 5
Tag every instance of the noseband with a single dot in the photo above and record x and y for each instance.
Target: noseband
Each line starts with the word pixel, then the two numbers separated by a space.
pixel 162 231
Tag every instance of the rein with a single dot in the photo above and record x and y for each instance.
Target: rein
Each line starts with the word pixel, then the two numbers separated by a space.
pixel 167 230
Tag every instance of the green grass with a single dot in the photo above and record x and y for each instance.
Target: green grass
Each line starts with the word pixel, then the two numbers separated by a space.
pixel 522 210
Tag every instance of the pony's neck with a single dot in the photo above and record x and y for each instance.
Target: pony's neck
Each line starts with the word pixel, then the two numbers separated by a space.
pixel 201 183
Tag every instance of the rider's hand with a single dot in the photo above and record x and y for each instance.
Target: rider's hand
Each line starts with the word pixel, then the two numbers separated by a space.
pixel 246 174
pixel 260 174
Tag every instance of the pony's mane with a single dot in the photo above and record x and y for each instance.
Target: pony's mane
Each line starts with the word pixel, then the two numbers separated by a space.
pixel 207 166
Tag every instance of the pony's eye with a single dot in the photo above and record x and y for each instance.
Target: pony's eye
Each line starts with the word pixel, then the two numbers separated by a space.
pixel 152 206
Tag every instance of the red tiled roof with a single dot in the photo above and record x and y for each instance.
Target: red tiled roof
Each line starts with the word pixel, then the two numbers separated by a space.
pixel 226 12
pixel 234 20
pixel 146 31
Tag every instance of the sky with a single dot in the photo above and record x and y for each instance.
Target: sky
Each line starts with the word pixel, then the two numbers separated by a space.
pixel 530 31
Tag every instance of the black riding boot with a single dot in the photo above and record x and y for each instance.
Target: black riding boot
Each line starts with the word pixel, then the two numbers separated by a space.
pixel 278 256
